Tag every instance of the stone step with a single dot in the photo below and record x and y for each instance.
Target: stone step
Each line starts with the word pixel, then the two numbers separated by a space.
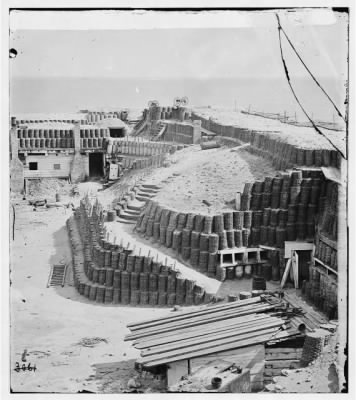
pixel 126 221
pixel 143 198
pixel 132 212
pixel 126 216
pixel 144 194
pixel 134 208
pixel 151 186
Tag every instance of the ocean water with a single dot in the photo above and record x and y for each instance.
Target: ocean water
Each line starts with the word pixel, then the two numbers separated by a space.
pixel 61 95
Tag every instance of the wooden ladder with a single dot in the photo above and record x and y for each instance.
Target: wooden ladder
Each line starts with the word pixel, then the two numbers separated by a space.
pixel 57 275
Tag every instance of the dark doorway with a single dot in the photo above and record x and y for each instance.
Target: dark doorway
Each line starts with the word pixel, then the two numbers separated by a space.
pixel 117 132
pixel 304 258
pixel 95 164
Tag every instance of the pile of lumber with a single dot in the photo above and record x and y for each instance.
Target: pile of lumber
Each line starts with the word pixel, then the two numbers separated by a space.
pixel 205 331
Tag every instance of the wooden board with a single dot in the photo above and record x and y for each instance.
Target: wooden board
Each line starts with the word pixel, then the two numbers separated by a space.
pixel 286 272
pixel 234 332
pixel 245 357
pixel 263 338
pixel 290 246
pixel 207 309
pixel 232 341
pixel 282 363
pixel 204 321
pixel 197 331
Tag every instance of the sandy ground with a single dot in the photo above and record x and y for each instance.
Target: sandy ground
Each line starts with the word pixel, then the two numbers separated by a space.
pixel 300 136
pixel 214 175
pixel 49 323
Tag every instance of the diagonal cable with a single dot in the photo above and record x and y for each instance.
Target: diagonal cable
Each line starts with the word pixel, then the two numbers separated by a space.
pixel 296 97
pixel 310 73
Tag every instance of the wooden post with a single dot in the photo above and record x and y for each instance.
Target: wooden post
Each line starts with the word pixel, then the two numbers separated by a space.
pixel 286 272
pixel 238 201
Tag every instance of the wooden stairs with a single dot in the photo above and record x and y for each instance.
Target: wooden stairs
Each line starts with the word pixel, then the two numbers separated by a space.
pixel 57 275
pixel 158 131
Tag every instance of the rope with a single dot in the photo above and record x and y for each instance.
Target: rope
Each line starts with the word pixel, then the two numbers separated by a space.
pixel 310 73
pixel 295 96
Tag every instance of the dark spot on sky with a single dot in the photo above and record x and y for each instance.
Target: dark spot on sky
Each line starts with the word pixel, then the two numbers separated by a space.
pixel 12 53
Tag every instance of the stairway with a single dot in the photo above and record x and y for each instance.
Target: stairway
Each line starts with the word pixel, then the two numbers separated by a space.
pixel 57 275
pixel 158 131
pixel 133 209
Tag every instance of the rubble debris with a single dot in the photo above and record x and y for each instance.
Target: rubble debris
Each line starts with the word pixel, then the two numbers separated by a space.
pixel 91 342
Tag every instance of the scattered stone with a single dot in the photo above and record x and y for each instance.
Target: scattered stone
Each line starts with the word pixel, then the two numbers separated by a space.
pixel 308 380
pixel 274 380
pixel 270 387
pixel 284 372
pixel 133 383
pixel 279 387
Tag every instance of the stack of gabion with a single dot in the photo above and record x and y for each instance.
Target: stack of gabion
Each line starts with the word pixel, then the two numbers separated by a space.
pixel 109 273
pixel 284 207
pixel 282 154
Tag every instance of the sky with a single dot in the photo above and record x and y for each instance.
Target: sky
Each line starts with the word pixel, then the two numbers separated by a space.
pixel 150 45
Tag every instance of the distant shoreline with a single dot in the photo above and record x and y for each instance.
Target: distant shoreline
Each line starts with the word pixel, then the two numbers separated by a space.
pixel 269 95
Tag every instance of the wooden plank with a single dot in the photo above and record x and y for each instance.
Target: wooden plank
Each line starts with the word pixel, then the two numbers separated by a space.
pixel 327 241
pixel 286 272
pixel 252 341
pixel 187 317
pixel 50 277
pixel 295 264
pixel 210 317
pixel 204 335
pixel 278 350
pixel 64 274
pixel 325 266
pixel 238 250
pixel 282 363
pixel 196 322
pixel 295 302
pixel 211 346
pixel 237 304
pixel 203 341
pixel 197 331
pixel 290 246
pixel 246 357
pixel 269 248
